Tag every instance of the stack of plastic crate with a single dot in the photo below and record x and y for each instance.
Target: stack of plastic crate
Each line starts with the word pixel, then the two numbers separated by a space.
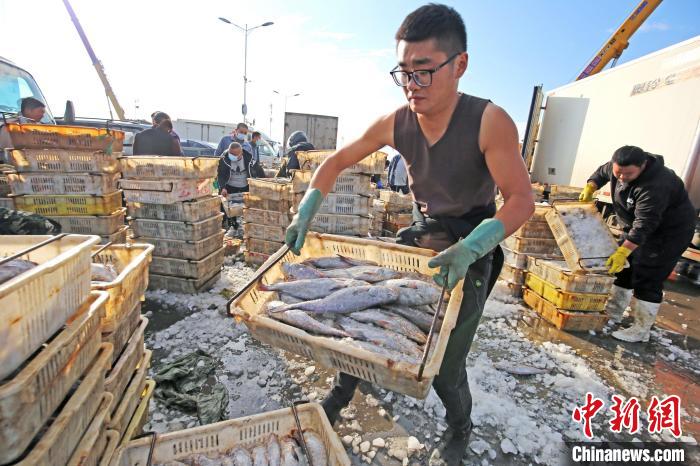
pixel 5 191
pixel 266 215
pixel 399 208
pixel 377 213
pixel 54 405
pixel 70 175
pixel 346 209
pixel 572 294
pixel 171 206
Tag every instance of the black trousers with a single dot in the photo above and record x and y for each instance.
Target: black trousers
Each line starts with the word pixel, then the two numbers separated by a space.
pixel 451 384
pixel 651 263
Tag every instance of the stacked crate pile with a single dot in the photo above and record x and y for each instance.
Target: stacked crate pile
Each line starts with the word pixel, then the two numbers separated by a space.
pixel 572 294
pixel 70 175
pixel 266 215
pixel 5 191
pixel 171 204
pixel 346 209
pixel 377 213
pixel 399 208
pixel 54 403
pixel 122 271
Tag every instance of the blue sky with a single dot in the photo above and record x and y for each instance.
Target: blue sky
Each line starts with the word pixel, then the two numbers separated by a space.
pixel 176 56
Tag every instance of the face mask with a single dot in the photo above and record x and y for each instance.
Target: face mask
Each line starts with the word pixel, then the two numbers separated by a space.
pixel 232 157
pixel 240 137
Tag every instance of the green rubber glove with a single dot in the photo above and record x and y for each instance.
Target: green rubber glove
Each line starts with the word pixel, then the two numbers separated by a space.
pixel 454 261
pixel 587 193
pixel 296 231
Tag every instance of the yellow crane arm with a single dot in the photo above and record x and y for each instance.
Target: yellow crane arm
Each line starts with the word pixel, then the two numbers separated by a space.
pixel 95 62
pixel 613 47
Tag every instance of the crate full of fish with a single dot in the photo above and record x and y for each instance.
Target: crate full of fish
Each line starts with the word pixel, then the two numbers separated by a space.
pixel 188 211
pixel 63 183
pixel 166 191
pixel 39 290
pixel 64 137
pixel 558 274
pixel 373 164
pixel 585 240
pixel 63 161
pixel 156 167
pixel 376 332
pixel 266 438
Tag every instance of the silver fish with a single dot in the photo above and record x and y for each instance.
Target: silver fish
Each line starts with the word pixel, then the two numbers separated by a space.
pixel 422 319
pixel 288 299
pixel 414 292
pixel 298 271
pixel 203 460
pixel 316 449
pixel 288 451
pixel 241 457
pixel 274 456
pixel 368 273
pixel 11 269
pixel 379 336
pixel 391 322
pixel 336 262
pixel 260 456
pixel 302 320
pixel 380 350
pixel 312 288
pixel 347 300
pixel 520 369
pixel 103 273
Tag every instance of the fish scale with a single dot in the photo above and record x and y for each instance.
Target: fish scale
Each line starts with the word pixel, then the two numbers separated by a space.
pixel 347 300
pixel 391 322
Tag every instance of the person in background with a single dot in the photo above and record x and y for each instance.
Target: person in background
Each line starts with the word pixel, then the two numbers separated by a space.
pixel 254 140
pixel 157 140
pixel 658 223
pixel 398 177
pixel 31 111
pixel 157 117
pixel 234 170
pixel 238 135
pixel 297 141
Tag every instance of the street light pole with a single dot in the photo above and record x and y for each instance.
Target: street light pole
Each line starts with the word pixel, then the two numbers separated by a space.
pixel 246 31
pixel 286 97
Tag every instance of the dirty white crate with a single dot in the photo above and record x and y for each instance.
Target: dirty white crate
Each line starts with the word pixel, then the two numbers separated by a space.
pixel 396 202
pixel 91 447
pixel 166 191
pixel 262 246
pixel 399 376
pixel 40 300
pixel 266 232
pixel 110 448
pixel 156 167
pixel 401 219
pixel 91 224
pixel 179 249
pixel 255 202
pixel 66 161
pixel 183 285
pixel 373 164
pixel 63 433
pixel 63 183
pixel 233 209
pixel 341 224
pixel 37 136
pixel 185 231
pixel 120 374
pixel 127 290
pixel 519 260
pixel 583 251
pixel 246 432
pixel 273 189
pixel 73 204
pixel 118 237
pixel 188 268
pixel 7 203
pixel 531 229
pixel 48 377
pixel 512 274
pixel 346 183
pixel 560 275
pixel 123 331
pixel 345 204
pixel 267 217
pixel 188 211
pixel 123 411
pixel 532 245
pixel 255 258
pixel 140 417
pixel 5 189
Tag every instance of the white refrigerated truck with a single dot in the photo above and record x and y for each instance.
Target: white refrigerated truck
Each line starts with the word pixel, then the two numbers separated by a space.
pixel 652 102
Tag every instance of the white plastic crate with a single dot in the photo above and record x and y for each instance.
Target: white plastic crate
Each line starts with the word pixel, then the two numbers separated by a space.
pixel 183 285
pixel 267 217
pixel 66 161
pixel 123 410
pixel 178 249
pixel 91 224
pixel 155 167
pixel 273 189
pixel 266 232
pixel 341 224
pixel 341 204
pixel 118 237
pixel 188 268
pixel 40 300
pixel 373 164
pixel 166 191
pixel 186 231
pixel 7 203
pixel 188 211
pixel 63 183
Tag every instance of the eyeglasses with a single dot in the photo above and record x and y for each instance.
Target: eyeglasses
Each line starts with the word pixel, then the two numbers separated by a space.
pixel 422 78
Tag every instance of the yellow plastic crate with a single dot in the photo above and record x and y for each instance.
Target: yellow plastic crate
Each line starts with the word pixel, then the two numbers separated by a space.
pixel 373 164
pixel 70 205
pixel 559 274
pixel 31 136
pixel 564 320
pixel 512 274
pixel 273 189
pixel 564 299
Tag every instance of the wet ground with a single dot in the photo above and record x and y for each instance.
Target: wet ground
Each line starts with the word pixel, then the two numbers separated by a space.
pixel 518 419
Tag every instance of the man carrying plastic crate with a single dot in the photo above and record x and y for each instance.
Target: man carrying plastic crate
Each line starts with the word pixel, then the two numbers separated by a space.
pixel 458 149
pixel 658 220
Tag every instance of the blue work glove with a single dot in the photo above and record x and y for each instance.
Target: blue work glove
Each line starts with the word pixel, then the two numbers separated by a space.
pixel 454 261
pixel 296 231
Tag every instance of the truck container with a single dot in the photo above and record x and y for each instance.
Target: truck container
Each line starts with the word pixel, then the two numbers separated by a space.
pixel 321 130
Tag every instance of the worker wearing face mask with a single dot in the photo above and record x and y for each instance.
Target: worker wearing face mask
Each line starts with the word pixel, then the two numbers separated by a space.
pixel 238 135
pixel 234 170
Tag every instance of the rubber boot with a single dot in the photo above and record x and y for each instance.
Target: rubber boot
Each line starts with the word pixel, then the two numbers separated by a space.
pixel 339 396
pixel 452 447
pixel 617 303
pixel 644 317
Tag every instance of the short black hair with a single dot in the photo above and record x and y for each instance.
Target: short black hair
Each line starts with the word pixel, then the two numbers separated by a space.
pixel 256 134
pixel 630 155
pixel 434 21
pixel 241 125
pixel 158 117
pixel 30 103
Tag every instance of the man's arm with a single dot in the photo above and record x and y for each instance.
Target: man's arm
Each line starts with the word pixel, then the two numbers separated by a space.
pixel 498 140
pixel 601 176
pixel 220 148
pixel 378 135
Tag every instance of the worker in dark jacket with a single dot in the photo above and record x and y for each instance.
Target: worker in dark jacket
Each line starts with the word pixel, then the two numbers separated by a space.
pixel 235 167
pixel 658 221
pixel 296 142
pixel 157 141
